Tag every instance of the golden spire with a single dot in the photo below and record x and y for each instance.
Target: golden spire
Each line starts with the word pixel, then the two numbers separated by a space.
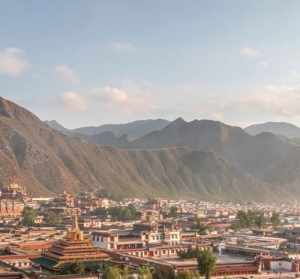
pixel 75 222
pixel 75 233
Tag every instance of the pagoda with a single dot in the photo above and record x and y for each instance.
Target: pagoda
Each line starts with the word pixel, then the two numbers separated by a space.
pixel 74 247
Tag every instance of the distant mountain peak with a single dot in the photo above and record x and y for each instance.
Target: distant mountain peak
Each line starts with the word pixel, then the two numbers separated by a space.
pixel 202 158
pixel 179 120
pixel 57 126
pixel 133 130
pixel 284 129
pixel 4 109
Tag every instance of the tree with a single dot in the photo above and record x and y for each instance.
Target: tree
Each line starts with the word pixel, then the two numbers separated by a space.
pixel 123 213
pixel 144 272
pixel 189 254
pixel 200 227
pixel 29 216
pixel 101 212
pixel 125 272
pixel 249 219
pixel 186 275
pixel 173 211
pixel 242 219
pixel 260 220
pixel 206 263
pixel 73 268
pixel 92 267
pixel 52 218
pixel 275 219
pixel 112 272
pixel 78 268
pixel 163 273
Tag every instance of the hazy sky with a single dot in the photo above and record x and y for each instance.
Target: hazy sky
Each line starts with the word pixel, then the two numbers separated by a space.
pixel 92 62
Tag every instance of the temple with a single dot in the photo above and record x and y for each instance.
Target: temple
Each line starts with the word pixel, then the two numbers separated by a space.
pixel 12 198
pixel 74 247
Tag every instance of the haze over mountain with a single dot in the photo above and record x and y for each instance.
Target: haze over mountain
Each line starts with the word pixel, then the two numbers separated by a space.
pixel 57 126
pixel 261 156
pixel 112 134
pixel 285 129
pixel 133 130
pixel 199 159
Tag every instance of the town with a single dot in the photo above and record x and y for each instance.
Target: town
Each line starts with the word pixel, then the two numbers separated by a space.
pixel 91 235
pixel 149 139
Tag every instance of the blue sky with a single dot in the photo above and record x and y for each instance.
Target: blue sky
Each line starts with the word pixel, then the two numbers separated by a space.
pixel 94 62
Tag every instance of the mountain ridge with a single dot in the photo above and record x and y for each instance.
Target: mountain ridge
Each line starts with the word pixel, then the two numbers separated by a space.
pixel 284 129
pixel 198 159
pixel 48 162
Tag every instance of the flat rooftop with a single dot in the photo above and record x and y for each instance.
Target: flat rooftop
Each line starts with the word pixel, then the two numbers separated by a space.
pixel 223 259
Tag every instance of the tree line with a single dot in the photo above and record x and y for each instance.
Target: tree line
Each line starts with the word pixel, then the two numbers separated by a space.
pixel 255 218
pixel 118 213
pixel 205 259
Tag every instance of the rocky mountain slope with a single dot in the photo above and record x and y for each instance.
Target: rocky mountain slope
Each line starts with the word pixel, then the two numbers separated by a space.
pixel 264 156
pixel 198 159
pixel 46 162
pixel 58 127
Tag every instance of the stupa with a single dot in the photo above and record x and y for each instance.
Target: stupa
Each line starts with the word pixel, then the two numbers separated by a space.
pixel 74 247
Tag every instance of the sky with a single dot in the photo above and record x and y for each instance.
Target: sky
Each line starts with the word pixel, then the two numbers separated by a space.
pixel 94 62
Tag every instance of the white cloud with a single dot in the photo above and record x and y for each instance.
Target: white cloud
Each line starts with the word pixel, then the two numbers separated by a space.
pixel 13 62
pixel 66 74
pixel 73 101
pixel 249 52
pixel 116 95
pixel 123 47
pixel 269 103
pixel 276 101
pixel 130 100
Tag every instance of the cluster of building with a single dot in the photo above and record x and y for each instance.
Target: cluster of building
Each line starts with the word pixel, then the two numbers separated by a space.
pixel 97 231
pixel 12 201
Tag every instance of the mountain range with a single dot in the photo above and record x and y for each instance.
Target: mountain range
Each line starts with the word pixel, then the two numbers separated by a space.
pixel 284 129
pixel 198 159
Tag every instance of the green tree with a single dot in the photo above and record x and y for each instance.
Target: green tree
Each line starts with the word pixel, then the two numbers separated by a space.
pixel 242 219
pixel 123 213
pixel 29 216
pixel 163 273
pixel 275 219
pixel 144 272
pixel 112 272
pixel 200 227
pixel 260 220
pixel 73 268
pixel 93 267
pixel 185 275
pixel 125 272
pixel 53 218
pixel 78 268
pixel 189 254
pixel 173 212
pixel 206 263
pixel 101 212
pixel 249 219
